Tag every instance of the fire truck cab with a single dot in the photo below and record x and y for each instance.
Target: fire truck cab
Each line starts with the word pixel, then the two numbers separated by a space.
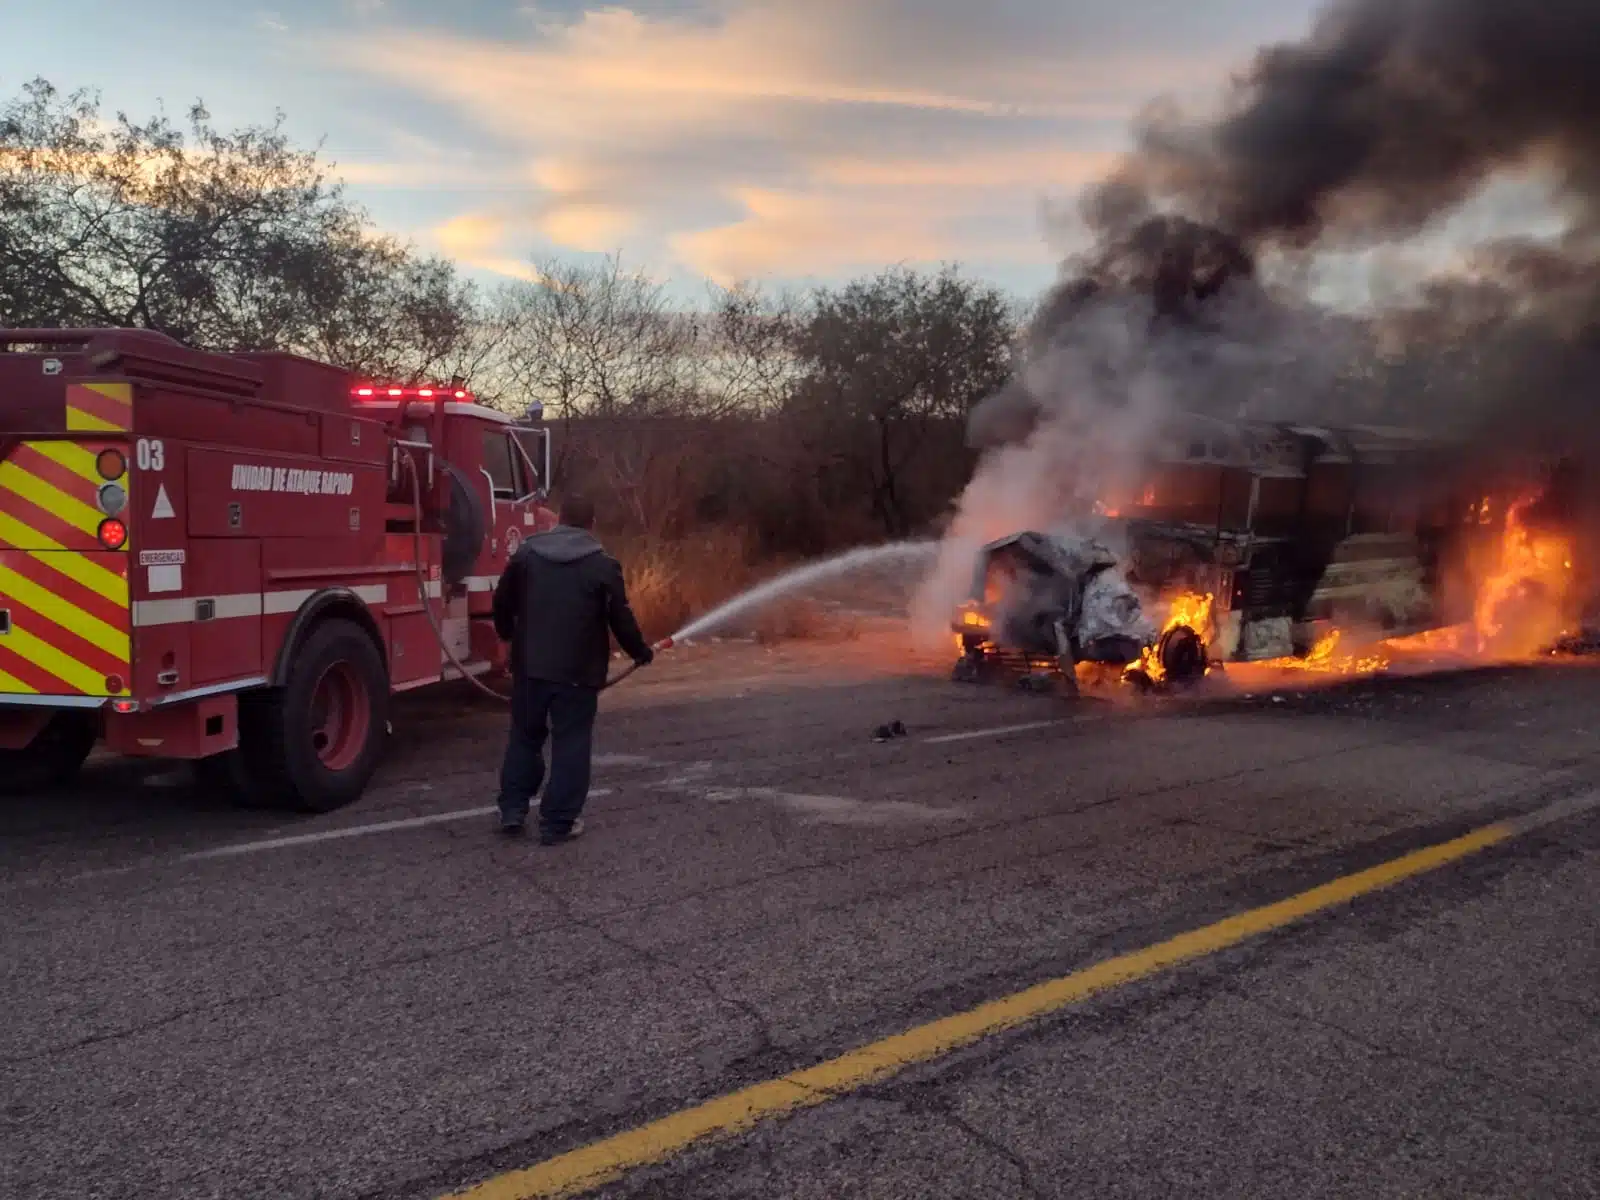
pixel 238 558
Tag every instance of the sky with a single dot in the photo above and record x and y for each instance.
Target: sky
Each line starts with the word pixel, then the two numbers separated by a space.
pixel 778 141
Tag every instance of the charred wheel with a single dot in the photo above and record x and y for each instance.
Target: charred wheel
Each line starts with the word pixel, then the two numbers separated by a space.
pixel 314 743
pixel 1182 655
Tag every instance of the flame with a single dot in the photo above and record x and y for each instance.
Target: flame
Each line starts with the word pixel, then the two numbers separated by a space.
pixel 1521 600
pixel 1323 660
pixel 1447 639
pixel 1188 608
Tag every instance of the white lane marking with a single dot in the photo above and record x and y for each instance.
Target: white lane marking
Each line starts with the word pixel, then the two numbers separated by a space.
pixel 973 735
pixel 842 810
pixel 1560 810
pixel 696 781
pixel 350 831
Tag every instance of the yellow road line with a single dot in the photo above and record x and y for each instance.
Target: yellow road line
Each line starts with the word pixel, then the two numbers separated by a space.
pixel 601 1162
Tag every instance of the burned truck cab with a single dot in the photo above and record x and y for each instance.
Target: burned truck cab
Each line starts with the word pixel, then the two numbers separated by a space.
pixel 1041 604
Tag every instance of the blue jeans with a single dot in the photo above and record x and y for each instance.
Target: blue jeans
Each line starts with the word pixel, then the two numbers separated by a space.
pixel 567 714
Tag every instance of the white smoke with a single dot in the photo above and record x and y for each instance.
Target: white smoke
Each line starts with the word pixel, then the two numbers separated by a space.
pixel 1095 402
pixel 1100 387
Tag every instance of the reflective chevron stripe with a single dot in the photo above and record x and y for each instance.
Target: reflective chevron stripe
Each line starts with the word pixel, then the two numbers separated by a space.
pixel 99 407
pixel 64 596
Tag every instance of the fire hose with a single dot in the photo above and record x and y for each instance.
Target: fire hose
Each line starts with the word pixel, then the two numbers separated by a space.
pixel 438 630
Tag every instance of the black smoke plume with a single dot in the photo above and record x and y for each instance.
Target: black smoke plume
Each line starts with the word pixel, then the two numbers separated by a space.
pixel 1388 117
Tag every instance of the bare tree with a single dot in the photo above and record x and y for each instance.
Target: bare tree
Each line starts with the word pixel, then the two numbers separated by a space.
pixel 742 347
pixel 887 362
pixel 221 240
pixel 595 340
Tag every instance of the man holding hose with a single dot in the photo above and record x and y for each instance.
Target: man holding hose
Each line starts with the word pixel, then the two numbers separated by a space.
pixel 558 602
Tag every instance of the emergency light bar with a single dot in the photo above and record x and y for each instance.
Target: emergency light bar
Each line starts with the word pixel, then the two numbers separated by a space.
pixel 421 393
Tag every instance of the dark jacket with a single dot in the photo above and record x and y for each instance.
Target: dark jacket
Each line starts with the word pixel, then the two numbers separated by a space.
pixel 558 601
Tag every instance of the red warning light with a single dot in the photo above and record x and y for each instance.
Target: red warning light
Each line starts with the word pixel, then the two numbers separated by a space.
pixel 422 393
pixel 113 534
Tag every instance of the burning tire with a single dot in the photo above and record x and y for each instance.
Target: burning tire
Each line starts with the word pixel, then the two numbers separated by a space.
pixel 53 758
pixel 313 744
pixel 1179 659
pixel 1182 655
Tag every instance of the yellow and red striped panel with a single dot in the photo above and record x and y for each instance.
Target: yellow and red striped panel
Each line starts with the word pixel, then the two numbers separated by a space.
pixel 99 407
pixel 66 596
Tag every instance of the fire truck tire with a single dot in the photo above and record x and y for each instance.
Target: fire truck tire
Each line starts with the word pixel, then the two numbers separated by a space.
pixel 52 759
pixel 466 525
pixel 313 744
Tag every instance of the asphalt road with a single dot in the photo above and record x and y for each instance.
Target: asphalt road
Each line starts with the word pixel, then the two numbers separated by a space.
pixel 393 1002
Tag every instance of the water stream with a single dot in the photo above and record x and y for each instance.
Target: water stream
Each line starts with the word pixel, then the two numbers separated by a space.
pixel 807 576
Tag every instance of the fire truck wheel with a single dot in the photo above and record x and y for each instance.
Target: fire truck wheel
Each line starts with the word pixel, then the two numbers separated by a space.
pixel 314 743
pixel 52 758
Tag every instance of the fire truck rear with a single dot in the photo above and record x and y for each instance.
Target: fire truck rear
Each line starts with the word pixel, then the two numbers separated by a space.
pixel 238 558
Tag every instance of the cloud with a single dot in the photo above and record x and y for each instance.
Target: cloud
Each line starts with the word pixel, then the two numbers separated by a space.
pixel 477 240
pixel 1026 166
pixel 768 136
pixel 811 233
pixel 594 227
pixel 859 213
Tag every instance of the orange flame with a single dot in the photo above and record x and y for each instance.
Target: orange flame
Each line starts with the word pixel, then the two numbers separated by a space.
pixel 1188 608
pixel 1322 660
pixel 1522 599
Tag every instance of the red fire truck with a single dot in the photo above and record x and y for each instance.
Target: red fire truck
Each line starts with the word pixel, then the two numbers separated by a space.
pixel 237 558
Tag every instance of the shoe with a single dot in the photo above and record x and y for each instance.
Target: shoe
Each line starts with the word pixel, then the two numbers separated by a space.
pixel 551 837
pixel 511 828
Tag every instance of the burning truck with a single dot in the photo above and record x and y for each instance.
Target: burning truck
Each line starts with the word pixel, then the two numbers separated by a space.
pixel 1262 543
pixel 1043 603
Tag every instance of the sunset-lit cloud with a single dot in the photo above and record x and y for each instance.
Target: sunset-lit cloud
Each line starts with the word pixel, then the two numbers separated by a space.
pixel 476 240
pixel 728 137
pixel 820 134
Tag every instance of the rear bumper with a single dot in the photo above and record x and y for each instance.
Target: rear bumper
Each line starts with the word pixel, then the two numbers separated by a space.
pixel 32 700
